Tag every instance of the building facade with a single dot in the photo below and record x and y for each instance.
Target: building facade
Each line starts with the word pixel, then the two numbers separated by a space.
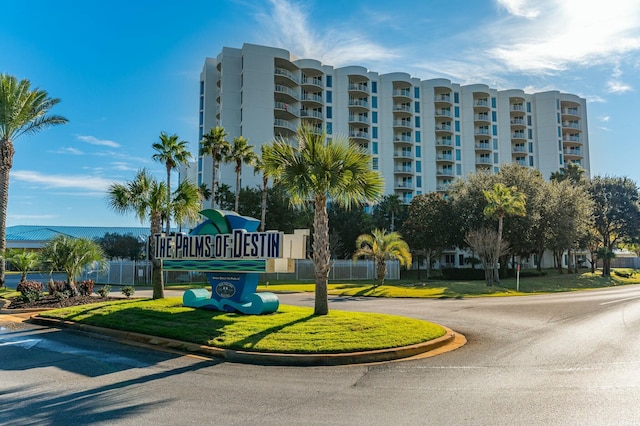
pixel 421 134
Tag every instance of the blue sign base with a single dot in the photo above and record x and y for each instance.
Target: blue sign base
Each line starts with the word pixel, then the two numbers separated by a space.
pixel 252 304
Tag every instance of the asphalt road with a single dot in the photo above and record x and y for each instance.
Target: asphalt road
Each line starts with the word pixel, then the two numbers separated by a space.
pixel 567 359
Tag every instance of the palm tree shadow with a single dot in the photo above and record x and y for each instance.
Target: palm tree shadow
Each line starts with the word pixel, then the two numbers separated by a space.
pixel 252 340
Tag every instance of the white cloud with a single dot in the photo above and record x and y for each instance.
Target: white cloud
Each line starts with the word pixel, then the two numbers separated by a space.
pixel 69 150
pixel 101 142
pixel 288 26
pixel 605 118
pixel 521 8
pixel 29 217
pixel 91 183
pixel 616 86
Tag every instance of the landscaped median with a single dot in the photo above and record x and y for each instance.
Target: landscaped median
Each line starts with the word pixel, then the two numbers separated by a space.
pixel 291 336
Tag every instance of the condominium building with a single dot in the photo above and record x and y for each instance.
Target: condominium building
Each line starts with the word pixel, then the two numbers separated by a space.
pixel 421 134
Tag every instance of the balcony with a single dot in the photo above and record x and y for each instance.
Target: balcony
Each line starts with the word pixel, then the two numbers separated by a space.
pixel 571 125
pixel 483 146
pixel 443 188
pixel 285 74
pixel 444 172
pixel 517 107
pixel 443 128
pixel 311 114
pixel 358 104
pixel 287 92
pixel 402 123
pixel 405 93
pixel 571 111
pixel 402 139
pixel 353 118
pixel 571 138
pixel 403 185
pixel 482 117
pixel 518 148
pixel 312 81
pixel 402 107
pixel 443 113
pixel 402 154
pixel 403 170
pixel 312 98
pixel 358 134
pixel 518 122
pixel 573 152
pixel 442 98
pixel 287 111
pixel 518 135
pixel 444 142
pixel 284 127
pixel 483 160
pixel 447 158
pixel 359 88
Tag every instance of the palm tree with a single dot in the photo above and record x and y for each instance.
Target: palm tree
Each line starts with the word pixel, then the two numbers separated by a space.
pixel 23 260
pixel 382 246
pixel 171 153
pixel 503 201
pixel 258 167
pixel 313 172
pixel 22 111
pixel 186 202
pixel 241 152
pixel 146 197
pixel 72 255
pixel 393 206
pixel 215 145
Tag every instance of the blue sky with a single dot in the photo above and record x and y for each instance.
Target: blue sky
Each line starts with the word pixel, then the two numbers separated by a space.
pixel 127 70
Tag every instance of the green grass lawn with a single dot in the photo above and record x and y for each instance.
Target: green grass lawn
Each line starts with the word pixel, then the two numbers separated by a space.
pixel 289 330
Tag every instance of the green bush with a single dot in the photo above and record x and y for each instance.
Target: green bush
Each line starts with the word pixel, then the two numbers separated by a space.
pixel 85 288
pixel 104 291
pixel 128 290
pixel 30 290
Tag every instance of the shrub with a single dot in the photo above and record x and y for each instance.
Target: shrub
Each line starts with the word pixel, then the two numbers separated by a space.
pixel 104 291
pixel 30 290
pixel 128 290
pixel 61 295
pixel 54 287
pixel 85 288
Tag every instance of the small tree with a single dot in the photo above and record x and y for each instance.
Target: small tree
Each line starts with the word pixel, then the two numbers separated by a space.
pixel 484 242
pixel 23 260
pixel 382 246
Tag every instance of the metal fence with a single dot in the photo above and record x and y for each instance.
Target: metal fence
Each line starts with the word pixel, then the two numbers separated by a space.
pixel 128 272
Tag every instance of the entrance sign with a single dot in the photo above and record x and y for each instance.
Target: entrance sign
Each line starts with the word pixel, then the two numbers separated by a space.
pixel 227 248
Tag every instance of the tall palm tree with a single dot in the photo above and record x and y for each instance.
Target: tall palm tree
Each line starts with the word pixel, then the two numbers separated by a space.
pixel 22 111
pixel 393 206
pixel 215 145
pixel 503 201
pixel 146 197
pixel 259 167
pixel 313 172
pixel 171 152
pixel 382 246
pixel 241 152
pixel 186 202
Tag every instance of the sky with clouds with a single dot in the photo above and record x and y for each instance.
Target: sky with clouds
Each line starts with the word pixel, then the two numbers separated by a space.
pixel 126 71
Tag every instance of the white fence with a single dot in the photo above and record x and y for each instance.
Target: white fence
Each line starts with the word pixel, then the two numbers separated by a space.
pixel 127 272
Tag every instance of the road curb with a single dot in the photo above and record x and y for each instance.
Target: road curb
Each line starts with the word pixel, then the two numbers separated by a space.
pixel 450 341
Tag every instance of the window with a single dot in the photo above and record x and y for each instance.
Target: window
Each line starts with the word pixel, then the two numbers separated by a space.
pixel 495 143
pixel 458 169
pixel 416 106
pixel 418 152
pixel 528 120
pixel 457 140
pixel 450 259
pixel 329 128
pixel 558 118
pixel 457 125
pixel 416 92
pixel 494 116
pixel 374 132
pixel 456 97
pixel 561 159
pixel 374 102
pixel 494 129
pixel 495 158
pixel 329 81
pixel 531 147
pixel 374 163
pixel 374 87
pixel 528 106
pixel 531 161
pixel 329 96
pixel 202 87
pixel 418 136
pixel 419 181
pixel 418 168
pixel 493 102
pixel 329 112
pixel 456 112
pixel 374 147
pixel 458 155
pixel 374 117
pixel 417 121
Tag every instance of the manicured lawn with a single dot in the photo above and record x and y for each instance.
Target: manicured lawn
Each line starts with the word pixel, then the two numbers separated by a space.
pixel 289 330
pixel 6 293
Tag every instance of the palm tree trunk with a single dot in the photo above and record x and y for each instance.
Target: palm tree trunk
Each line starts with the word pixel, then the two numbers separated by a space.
pixel 321 254
pixel 238 171
pixel 168 200
pixel 213 185
pixel 6 162
pixel 157 278
pixel 381 270
pixel 496 267
pixel 263 213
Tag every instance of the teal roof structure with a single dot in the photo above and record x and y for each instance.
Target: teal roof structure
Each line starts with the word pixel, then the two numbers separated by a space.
pixel 34 233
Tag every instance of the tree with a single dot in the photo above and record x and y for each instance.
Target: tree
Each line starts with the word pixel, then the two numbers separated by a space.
pixel 312 171
pixel 390 210
pixel 186 203
pixel 346 225
pixel 503 201
pixel 616 214
pixel 146 197
pixel 71 255
pixel 241 152
pixel 215 145
pixel 22 111
pixel 224 197
pixel 118 246
pixel 425 230
pixel 573 172
pixel 260 168
pixel 171 153
pixel 23 260
pixel 382 246
pixel 486 244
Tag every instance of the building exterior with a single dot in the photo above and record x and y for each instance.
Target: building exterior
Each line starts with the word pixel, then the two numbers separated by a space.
pixel 421 134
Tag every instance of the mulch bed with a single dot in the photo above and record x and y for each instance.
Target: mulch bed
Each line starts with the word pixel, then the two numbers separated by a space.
pixel 51 302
